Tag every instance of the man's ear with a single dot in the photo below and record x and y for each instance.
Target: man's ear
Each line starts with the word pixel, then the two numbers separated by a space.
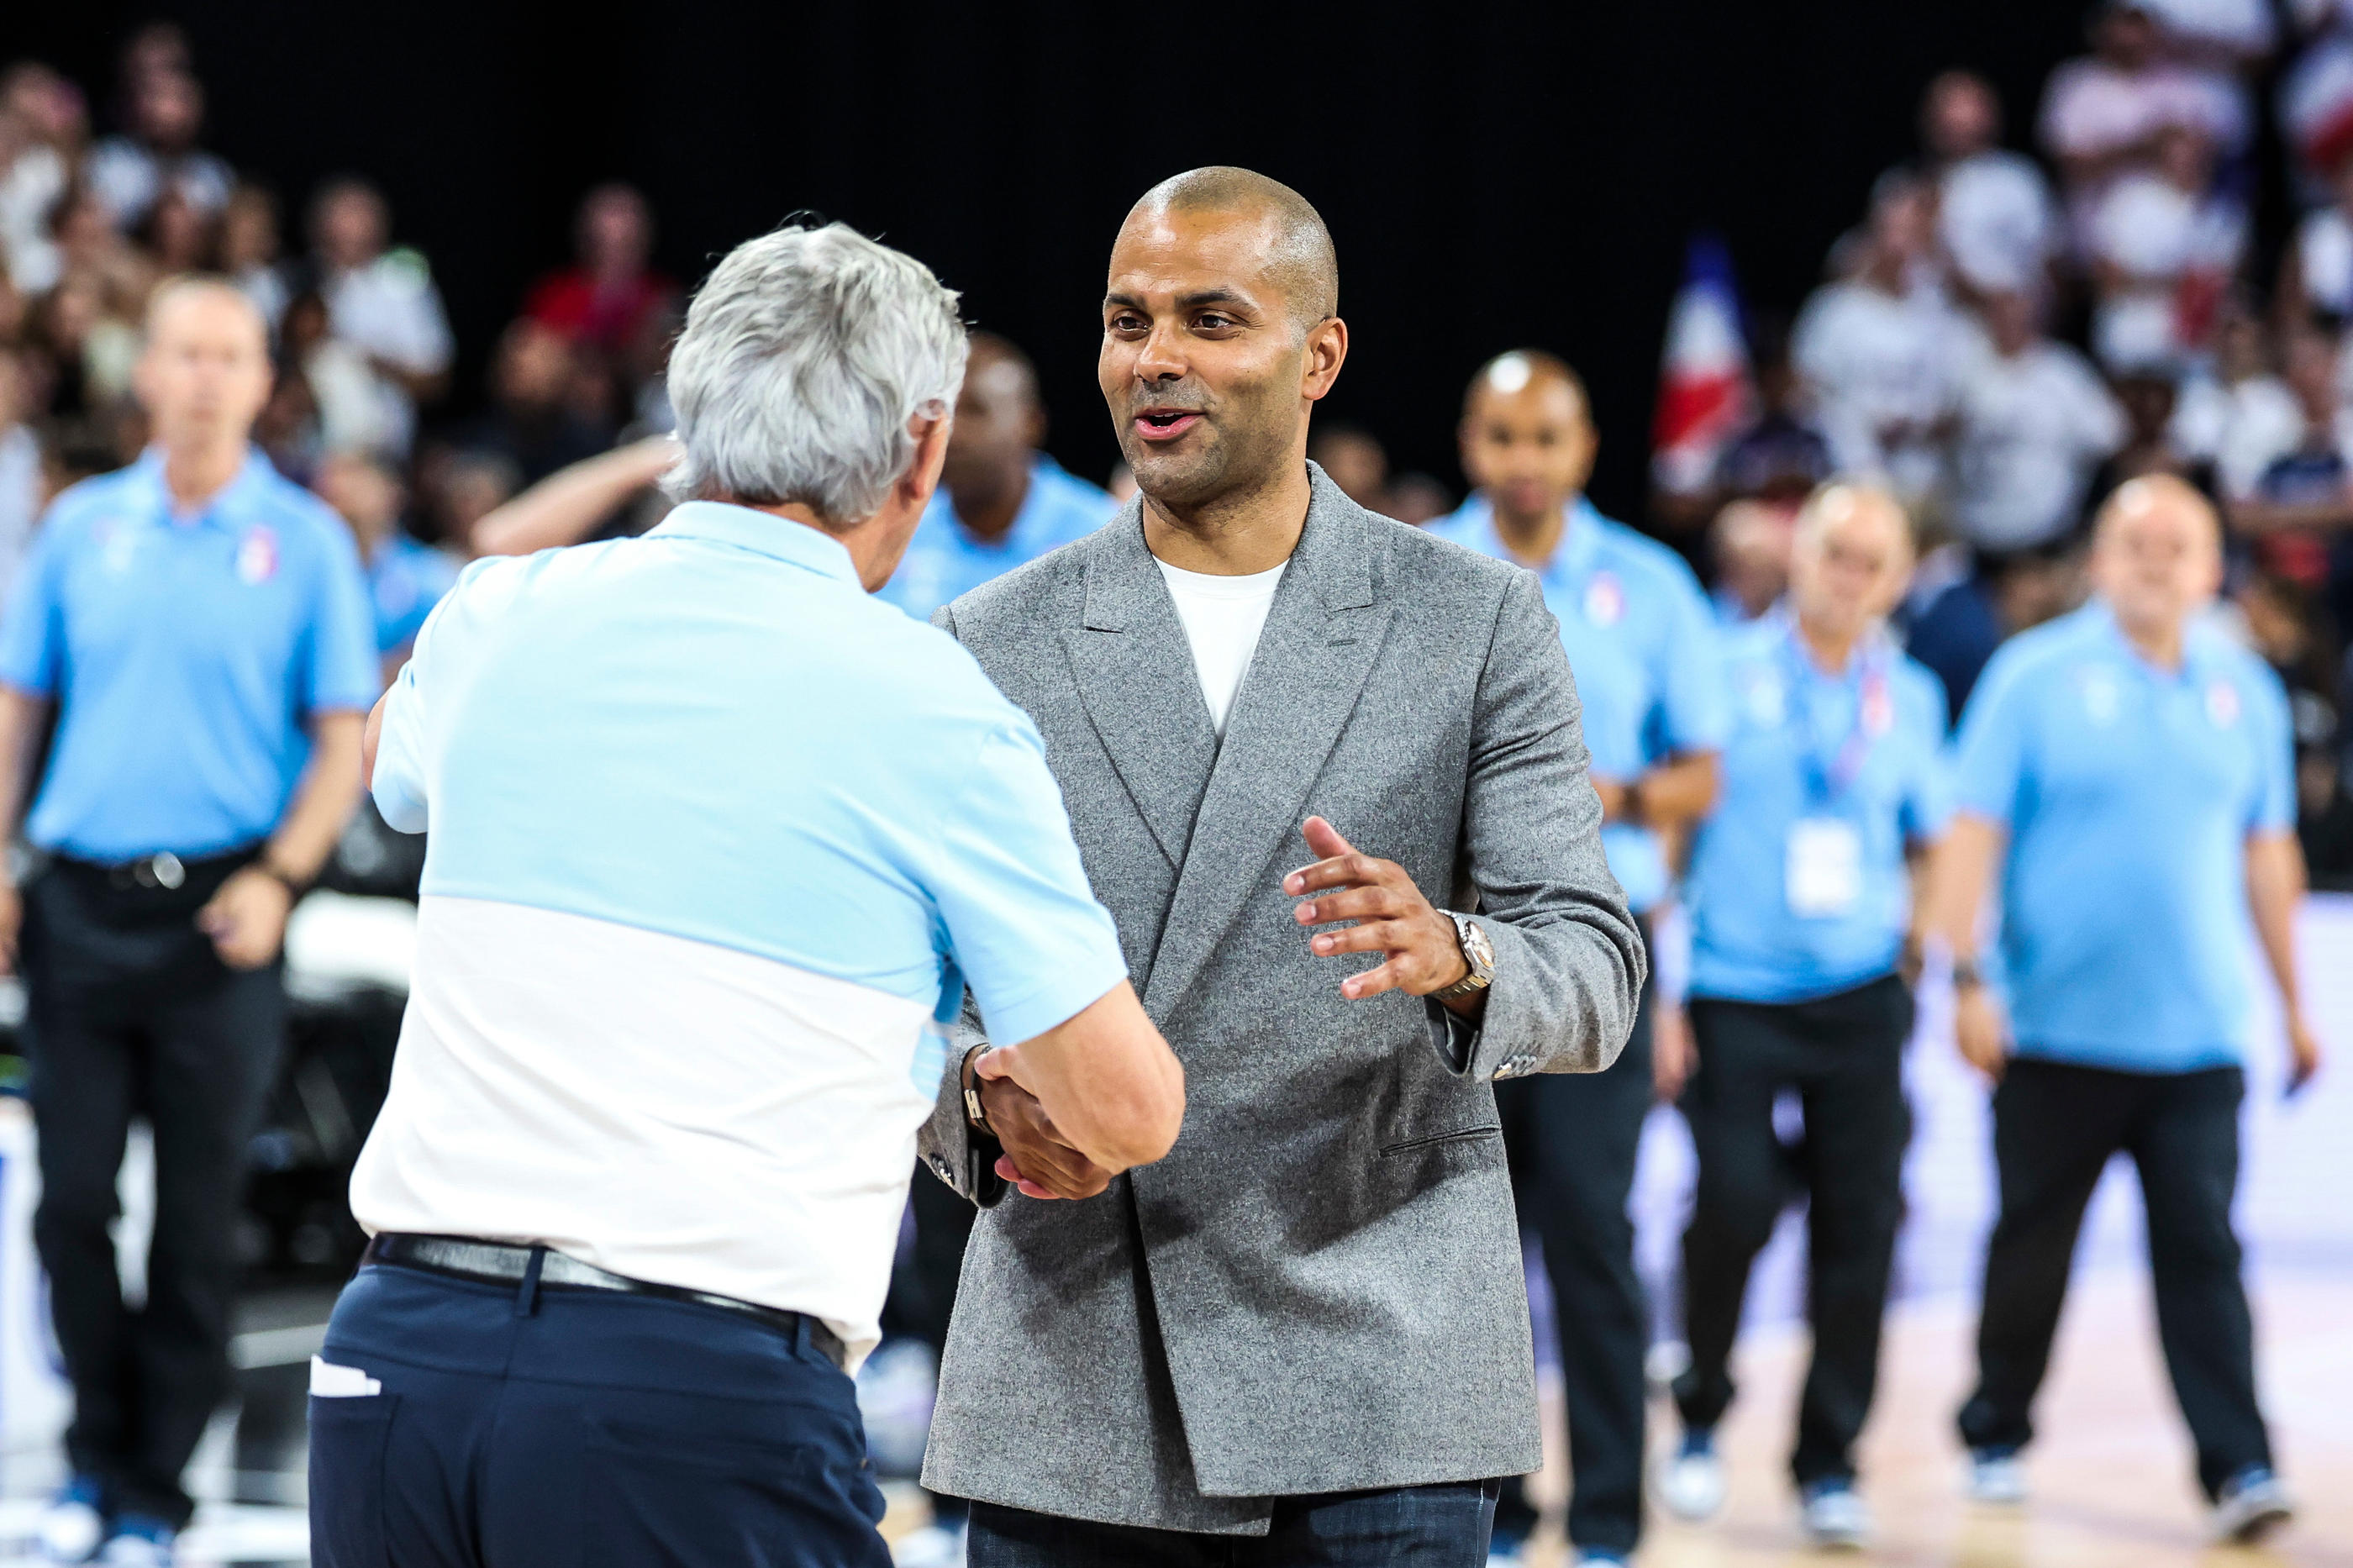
pixel 1327 351
pixel 922 475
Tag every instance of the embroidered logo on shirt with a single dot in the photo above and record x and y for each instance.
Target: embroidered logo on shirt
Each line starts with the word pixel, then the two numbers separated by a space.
pixel 2222 704
pixel 1878 708
pixel 256 556
pixel 2102 699
pixel 1604 601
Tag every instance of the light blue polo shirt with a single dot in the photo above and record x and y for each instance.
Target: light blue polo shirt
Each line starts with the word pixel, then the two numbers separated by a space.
pixel 943 562
pixel 2128 793
pixel 1644 648
pixel 185 655
pixel 1862 748
pixel 405 579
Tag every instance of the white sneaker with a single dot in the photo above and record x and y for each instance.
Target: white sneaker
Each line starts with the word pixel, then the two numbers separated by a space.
pixel 1997 1478
pixel 1836 1517
pixel 933 1546
pixel 71 1527
pixel 2251 1506
pixel 1690 1486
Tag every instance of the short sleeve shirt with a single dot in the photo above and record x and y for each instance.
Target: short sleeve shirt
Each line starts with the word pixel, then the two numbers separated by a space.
pixel 944 561
pixel 186 655
pixel 2128 793
pixel 1643 646
pixel 1862 750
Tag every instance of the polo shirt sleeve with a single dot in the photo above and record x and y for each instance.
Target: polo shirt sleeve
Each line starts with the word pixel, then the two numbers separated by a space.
pixel 1022 925
pixel 1695 687
pixel 398 784
pixel 2271 806
pixel 342 674
pixel 32 627
pixel 1989 758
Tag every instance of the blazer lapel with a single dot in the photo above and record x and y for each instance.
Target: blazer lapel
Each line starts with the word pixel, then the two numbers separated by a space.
pixel 1323 636
pixel 1134 673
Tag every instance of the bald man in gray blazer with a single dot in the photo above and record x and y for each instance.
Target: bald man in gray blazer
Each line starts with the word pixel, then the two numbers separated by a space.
pixel 1306 1327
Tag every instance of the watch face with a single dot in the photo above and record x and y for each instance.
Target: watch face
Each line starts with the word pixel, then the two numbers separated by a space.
pixel 1476 947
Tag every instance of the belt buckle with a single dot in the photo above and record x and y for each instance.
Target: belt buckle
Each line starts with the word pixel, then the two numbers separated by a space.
pixel 160 870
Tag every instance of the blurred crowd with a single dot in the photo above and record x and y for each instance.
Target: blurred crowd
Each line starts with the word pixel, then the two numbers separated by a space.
pixel 2004 338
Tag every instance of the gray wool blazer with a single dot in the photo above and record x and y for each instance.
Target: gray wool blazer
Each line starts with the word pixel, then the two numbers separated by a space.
pixel 1319 1288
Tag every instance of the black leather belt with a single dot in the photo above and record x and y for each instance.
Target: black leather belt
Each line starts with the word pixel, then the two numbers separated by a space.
pixel 497 1263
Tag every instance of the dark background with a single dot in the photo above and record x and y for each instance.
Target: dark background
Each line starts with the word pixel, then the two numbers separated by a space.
pixel 1494 175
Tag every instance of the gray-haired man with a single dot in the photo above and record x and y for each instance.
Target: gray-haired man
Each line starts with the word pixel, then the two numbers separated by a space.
pixel 713 834
pixel 1303 1337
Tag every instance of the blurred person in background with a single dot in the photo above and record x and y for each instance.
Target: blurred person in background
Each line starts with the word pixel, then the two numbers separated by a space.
pixel 2315 273
pixel 42 124
pixel 1806 932
pixel 1001 502
pixel 355 408
pixel 605 298
pixel 2163 244
pixel 199 627
pixel 177 236
pixel 1355 460
pixel 1417 500
pixel 2122 1027
pixel 463 492
pixel 1749 544
pixel 1879 354
pixel 609 496
pixel 380 301
pixel 249 250
pixel 24 486
pixel 157 151
pixel 2103 114
pixel 2233 412
pixel 1783 455
pixel 531 421
pixel 90 247
pixel 1639 635
pixel 2035 420
pixel 405 576
pixel 2298 520
pixel 1995 218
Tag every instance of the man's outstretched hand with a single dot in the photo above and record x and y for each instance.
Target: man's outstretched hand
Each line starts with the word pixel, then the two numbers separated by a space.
pixel 1421 951
pixel 1036 1159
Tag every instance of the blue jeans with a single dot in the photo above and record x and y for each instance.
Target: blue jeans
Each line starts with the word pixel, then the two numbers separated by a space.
pixel 1404 1527
pixel 581 1429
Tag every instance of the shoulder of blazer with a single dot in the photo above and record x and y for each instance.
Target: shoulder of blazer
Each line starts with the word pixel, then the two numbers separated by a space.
pixel 1049 589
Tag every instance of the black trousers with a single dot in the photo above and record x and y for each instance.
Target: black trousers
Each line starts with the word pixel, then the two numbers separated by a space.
pixel 1843 1057
pixel 1572 1139
pixel 2054 1128
pixel 1403 1526
pixel 130 1012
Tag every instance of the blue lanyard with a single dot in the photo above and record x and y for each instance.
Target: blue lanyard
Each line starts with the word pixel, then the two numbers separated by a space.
pixel 1831 771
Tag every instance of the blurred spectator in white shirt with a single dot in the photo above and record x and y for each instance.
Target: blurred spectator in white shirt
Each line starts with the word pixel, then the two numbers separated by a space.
pixel 2103 114
pixel 2034 422
pixel 2304 501
pixel 2315 96
pixel 1995 217
pixel 1878 355
pixel 2316 271
pixel 22 488
pixel 159 152
pixel 249 250
pixel 42 125
pixel 2223 35
pixel 2235 413
pixel 355 408
pixel 381 302
pixel 2164 248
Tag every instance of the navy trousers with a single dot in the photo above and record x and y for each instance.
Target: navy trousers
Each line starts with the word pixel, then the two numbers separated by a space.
pixel 1404 1527
pixel 539 1428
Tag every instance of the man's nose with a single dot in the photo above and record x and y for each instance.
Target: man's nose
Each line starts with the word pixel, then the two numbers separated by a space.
pixel 1160 360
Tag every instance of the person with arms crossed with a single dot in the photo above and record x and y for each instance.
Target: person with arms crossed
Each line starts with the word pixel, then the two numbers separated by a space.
pixel 1303 1335
pixel 712 835
pixel 1803 917
pixel 2126 771
pixel 1641 638
pixel 200 628
pixel 1002 502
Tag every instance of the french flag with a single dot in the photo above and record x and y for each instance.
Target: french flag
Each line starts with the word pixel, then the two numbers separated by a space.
pixel 1706 395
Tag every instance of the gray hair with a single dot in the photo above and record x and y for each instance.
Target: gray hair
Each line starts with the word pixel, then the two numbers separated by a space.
pixel 805 356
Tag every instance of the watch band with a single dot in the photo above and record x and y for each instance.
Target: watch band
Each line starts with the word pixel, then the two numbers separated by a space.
pixel 975 1114
pixel 1478 958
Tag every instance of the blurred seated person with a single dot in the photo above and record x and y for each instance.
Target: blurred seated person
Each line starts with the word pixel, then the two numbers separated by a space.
pixel 2164 244
pixel 380 299
pixel 2035 420
pixel 1353 460
pixel 355 408
pixel 1750 544
pixel 1782 456
pixel 606 296
pixel 24 486
pixel 532 421
pixel 609 496
pixel 130 173
pixel 1001 502
pixel 2296 522
pixel 2316 272
pixel 1418 500
pixel 462 491
pixel 2234 412
pixel 42 124
pixel 249 250
pixel 178 235
pixel 1995 221
pixel 405 576
pixel 2103 114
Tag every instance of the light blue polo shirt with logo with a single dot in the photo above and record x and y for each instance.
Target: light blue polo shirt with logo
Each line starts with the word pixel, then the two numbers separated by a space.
pixel 943 562
pixel 186 655
pixel 1646 652
pixel 2128 793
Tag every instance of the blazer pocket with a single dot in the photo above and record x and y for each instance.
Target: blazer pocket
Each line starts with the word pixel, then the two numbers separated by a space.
pixel 1427 1140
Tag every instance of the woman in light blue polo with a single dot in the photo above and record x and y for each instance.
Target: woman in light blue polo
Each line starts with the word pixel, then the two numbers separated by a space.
pixel 1801 911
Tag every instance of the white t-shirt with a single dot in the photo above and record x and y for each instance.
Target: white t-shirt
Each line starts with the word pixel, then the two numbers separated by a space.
pixel 1871 359
pixel 1222 617
pixel 2032 430
pixel 1995 216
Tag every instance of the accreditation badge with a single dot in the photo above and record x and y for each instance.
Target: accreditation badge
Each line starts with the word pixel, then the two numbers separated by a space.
pixel 1824 877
